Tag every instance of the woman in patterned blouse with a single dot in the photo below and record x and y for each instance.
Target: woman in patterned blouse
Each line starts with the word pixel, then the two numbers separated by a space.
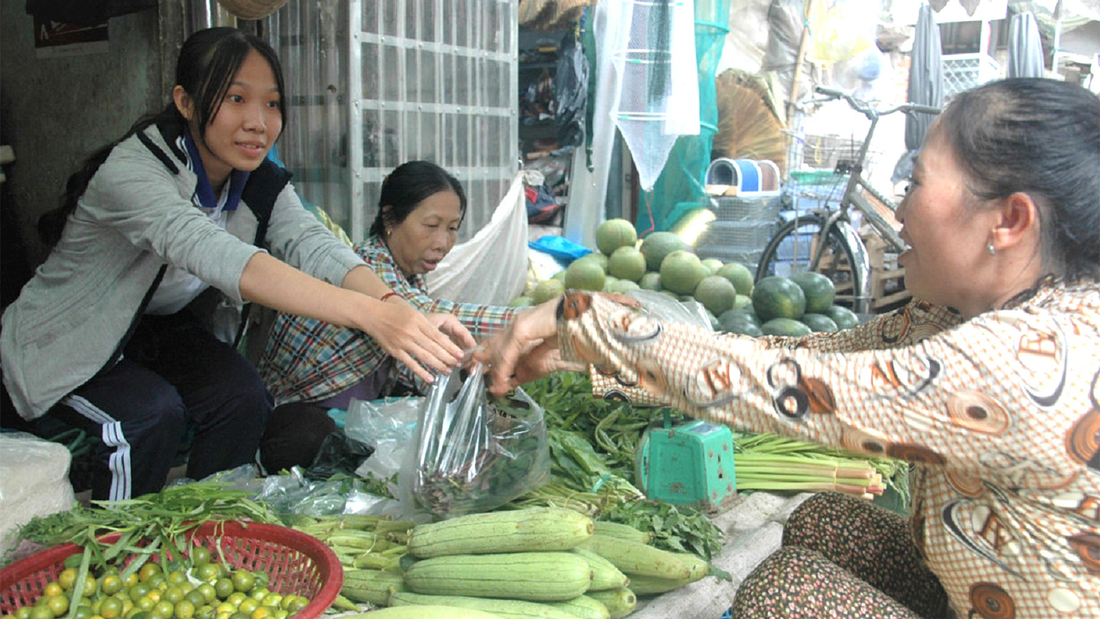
pixel 988 381
pixel 311 366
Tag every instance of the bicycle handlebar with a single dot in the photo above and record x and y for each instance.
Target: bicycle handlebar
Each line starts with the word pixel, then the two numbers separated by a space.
pixel 869 111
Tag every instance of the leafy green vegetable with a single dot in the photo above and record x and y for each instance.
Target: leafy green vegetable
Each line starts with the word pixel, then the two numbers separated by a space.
pixel 151 525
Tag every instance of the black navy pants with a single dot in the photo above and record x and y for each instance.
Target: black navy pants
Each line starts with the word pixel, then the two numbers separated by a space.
pixel 175 377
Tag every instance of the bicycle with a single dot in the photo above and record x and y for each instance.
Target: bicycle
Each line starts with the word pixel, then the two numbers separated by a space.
pixel 835 248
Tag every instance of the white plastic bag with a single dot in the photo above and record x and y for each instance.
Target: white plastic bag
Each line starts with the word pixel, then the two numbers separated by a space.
pixel 34 481
pixel 490 268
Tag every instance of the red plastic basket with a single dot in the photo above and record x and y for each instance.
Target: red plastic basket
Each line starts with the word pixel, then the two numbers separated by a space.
pixel 295 562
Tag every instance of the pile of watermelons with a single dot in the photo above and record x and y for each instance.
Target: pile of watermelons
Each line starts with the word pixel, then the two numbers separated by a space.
pixel 735 303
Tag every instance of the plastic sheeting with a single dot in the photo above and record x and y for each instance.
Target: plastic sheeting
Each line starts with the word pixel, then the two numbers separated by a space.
pixel 681 185
pixel 490 268
pixel 647 90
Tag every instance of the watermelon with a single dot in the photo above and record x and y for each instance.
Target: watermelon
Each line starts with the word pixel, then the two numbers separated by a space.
pixel 818 323
pixel 741 323
pixel 819 290
pixel 778 297
pixel 842 316
pixel 738 313
pixel 785 326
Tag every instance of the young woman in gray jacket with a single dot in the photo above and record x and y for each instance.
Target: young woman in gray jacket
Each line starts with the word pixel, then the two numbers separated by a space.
pixel 128 329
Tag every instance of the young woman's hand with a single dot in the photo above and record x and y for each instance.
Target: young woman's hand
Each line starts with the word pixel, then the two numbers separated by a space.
pixel 413 339
pixel 404 333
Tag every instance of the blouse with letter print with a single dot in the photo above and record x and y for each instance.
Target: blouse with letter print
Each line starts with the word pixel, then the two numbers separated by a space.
pixel 307 360
pixel 1000 414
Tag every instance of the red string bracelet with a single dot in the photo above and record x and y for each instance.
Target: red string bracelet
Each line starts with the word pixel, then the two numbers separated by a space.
pixel 386 296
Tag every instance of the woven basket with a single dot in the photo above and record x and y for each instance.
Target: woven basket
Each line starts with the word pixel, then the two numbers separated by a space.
pixel 296 563
pixel 252 9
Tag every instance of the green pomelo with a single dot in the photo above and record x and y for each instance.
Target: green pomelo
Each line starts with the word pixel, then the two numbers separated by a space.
pixel 521 302
pixel 778 297
pixel 745 313
pixel 712 265
pixel 669 293
pixel 681 272
pixel 615 233
pixel 600 259
pixel 739 275
pixel 621 286
pixel 658 245
pixel 560 276
pixel 740 323
pixel 742 301
pixel 627 263
pixel 785 326
pixel 650 281
pixel 819 290
pixel 716 293
pixel 842 316
pixel 585 274
pixel 609 283
pixel 547 289
pixel 818 323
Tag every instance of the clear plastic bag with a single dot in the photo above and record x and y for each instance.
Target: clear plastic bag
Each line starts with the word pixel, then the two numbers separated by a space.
pixel 472 452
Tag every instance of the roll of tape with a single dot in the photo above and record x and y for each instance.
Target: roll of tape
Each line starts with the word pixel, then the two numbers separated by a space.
pixel 750 175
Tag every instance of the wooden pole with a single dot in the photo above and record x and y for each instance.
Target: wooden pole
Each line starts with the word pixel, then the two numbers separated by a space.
pixel 803 43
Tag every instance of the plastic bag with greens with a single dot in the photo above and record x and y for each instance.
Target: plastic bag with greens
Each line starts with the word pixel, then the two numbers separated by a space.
pixel 473 452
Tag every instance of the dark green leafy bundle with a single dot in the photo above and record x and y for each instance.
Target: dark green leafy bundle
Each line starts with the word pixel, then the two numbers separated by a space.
pixel 151 525
pixel 613 428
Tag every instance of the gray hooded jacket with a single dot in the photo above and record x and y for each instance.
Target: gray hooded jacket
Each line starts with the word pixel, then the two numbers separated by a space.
pixel 73 318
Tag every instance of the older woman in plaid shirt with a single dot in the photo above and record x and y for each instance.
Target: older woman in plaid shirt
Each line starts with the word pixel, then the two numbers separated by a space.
pixel 311 366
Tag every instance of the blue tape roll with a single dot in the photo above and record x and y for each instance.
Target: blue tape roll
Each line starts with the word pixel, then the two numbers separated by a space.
pixel 750 175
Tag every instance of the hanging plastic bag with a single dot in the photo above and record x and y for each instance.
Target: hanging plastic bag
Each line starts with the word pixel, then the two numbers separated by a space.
pixel 473 452
pixel 490 268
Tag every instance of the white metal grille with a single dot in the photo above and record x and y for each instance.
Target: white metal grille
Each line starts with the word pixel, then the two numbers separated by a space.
pixel 965 71
pixel 381 83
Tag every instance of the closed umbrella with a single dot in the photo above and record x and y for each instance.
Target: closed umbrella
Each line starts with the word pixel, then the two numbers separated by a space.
pixel 1025 48
pixel 925 76
pixel 925 87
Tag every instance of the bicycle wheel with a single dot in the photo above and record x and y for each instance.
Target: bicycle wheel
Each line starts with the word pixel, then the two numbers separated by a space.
pixel 791 250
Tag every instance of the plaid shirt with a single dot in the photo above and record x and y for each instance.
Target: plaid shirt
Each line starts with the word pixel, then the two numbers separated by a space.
pixel 308 360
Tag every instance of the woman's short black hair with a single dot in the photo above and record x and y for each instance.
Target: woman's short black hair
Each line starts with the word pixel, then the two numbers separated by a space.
pixel 406 187
pixel 1040 137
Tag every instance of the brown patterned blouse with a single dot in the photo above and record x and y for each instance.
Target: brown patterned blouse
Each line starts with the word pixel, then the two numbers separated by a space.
pixel 1000 413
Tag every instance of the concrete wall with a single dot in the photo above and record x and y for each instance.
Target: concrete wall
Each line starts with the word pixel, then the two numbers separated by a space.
pixel 56 111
